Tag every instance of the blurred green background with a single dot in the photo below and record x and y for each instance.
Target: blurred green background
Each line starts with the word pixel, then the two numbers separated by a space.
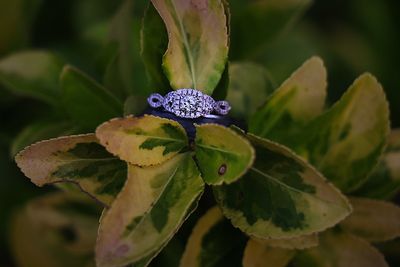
pixel 352 36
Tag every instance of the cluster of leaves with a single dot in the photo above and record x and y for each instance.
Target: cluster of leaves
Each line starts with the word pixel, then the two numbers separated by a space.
pixel 269 183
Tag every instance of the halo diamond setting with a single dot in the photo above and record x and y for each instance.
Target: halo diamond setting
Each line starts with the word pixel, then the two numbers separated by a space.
pixel 189 103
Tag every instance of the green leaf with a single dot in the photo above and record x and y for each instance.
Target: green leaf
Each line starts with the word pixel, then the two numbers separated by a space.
pixel 213 242
pixel 373 220
pixel 143 141
pixel 40 130
pixel 125 73
pixel 221 90
pixel 346 142
pixel 281 196
pixel 301 242
pixel 249 86
pixel 299 100
pixel 55 230
pixel 198 42
pixel 384 181
pixel 34 74
pixel 340 250
pixel 154 42
pixel 267 19
pixel 134 105
pixel 223 156
pixel 79 159
pixel 257 254
pixel 87 102
pixel 163 195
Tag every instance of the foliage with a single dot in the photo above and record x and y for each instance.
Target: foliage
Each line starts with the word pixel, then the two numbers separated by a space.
pixel 289 186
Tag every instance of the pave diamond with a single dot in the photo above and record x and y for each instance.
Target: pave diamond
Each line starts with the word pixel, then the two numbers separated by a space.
pixel 188 103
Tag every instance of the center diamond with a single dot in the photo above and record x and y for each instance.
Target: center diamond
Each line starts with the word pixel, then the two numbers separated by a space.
pixel 188 103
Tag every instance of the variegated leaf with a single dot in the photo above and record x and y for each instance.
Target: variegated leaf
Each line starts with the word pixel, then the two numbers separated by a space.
pixel 373 220
pixel 222 155
pixel 149 210
pixel 55 230
pixel 347 141
pixel 260 255
pixel 79 159
pixel 281 196
pixel 213 242
pixel 198 42
pixel 340 250
pixel 143 141
pixel 301 242
pixel 384 182
pixel 249 86
pixel 299 100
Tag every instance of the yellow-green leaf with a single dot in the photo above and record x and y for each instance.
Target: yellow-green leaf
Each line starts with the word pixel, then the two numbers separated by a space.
pixel 301 242
pixel 143 141
pixel 149 210
pixel 222 155
pixel 261 255
pixel 213 242
pixel 347 141
pixel 373 220
pixel 249 86
pixel 79 159
pixel 34 74
pixel 340 250
pixel 384 182
pixel 55 230
pixel 281 196
pixel 198 42
pixel 299 100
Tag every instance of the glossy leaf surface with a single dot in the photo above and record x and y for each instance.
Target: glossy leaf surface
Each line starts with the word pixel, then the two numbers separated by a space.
pixel 281 196
pixel 222 155
pixel 295 103
pixel 346 142
pixel 198 42
pixel 79 159
pixel 149 210
pixel 143 141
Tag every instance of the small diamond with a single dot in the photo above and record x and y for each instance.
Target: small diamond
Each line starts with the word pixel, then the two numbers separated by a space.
pixel 222 107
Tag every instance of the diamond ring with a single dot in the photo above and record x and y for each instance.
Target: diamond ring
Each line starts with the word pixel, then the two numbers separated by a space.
pixel 189 103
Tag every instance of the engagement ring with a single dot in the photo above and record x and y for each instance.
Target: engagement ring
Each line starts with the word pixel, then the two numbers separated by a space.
pixel 189 103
